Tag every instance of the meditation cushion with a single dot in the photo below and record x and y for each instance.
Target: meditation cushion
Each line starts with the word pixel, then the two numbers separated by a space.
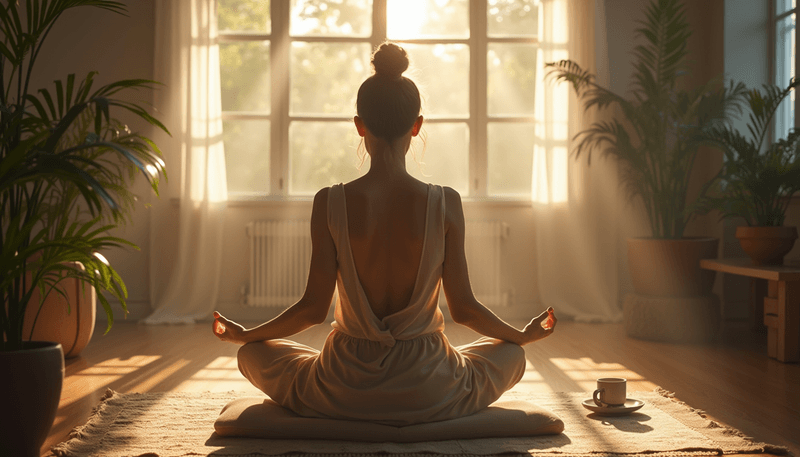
pixel 259 417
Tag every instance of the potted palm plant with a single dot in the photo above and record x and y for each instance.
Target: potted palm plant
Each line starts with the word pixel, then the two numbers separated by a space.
pixel 67 315
pixel 655 136
pixel 60 193
pixel 757 180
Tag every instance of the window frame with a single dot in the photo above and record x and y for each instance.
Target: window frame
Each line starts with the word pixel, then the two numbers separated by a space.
pixel 773 60
pixel 477 119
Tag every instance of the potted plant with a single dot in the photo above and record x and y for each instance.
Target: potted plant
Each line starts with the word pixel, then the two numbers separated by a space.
pixel 60 161
pixel 757 180
pixel 67 315
pixel 655 136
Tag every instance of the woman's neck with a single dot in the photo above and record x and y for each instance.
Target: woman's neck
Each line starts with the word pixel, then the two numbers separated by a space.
pixel 387 159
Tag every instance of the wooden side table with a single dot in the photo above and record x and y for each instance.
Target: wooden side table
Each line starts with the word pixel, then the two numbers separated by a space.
pixel 781 305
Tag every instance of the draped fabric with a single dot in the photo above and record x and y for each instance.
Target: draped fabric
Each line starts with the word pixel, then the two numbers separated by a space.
pixel 397 370
pixel 187 62
pixel 576 204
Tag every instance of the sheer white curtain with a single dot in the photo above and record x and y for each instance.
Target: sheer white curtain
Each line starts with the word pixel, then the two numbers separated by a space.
pixel 187 62
pixel 576 205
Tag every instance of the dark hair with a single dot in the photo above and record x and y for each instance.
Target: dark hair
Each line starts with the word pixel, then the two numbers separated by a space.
pixel 388 102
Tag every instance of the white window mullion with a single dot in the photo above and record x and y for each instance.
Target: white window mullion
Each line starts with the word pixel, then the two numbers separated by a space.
pixel 279 138
pixel 796 120
pixel 773 53
pixel 478 160
pixel 378 23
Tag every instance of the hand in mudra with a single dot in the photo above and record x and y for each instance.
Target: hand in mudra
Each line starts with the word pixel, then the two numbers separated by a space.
pixel 227 330
pixel 540 326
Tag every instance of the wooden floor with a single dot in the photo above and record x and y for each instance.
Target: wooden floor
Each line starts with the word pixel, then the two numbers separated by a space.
pixel 731 379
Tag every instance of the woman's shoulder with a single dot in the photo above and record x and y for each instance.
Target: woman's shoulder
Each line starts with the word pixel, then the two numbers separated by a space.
pixel 453 212
pixel 320 205
pixel 451 197
pixel 322 194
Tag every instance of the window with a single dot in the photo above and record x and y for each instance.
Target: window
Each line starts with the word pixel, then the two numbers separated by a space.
pixel 785 65
pixel 290 70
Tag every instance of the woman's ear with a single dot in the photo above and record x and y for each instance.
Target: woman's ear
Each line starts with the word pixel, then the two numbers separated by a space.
pixel 417 125
pixel 362 131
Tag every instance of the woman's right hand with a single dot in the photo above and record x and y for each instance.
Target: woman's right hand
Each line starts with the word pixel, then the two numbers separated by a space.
pixel 540 326
pixel 228 330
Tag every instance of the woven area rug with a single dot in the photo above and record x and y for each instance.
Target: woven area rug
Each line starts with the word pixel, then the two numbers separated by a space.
pixel 181 424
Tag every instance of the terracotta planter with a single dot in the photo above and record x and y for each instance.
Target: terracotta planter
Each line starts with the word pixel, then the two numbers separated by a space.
pixel 672 319
pixel 30 389
pixel 671 268
pixel 69 321
pixel 766 245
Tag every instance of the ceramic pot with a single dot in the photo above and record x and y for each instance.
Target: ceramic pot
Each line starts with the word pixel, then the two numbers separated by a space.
pixel 69 321
pixel 766 245
pixel 671 268
pixel 30 386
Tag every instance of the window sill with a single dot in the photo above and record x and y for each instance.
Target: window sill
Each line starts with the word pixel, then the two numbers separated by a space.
pixel 263 201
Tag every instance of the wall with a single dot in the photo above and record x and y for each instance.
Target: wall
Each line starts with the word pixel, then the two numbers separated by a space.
pixel 706 61
pixel 729 37
pixel 746 60
pixel 621 17
pixel 123 47
pixel 119 47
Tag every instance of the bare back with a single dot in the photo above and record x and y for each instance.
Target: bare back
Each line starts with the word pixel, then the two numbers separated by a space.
pixel 386 223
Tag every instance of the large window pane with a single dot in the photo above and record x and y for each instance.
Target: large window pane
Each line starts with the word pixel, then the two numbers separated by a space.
pixel 331 18
pixel 322 154
pixel 245 76
pixel 782 6
pixel 247 155
pixel 325 76
pixel 512 18
pixel 511 79
pixel 510 158
pixel 427 19
pixel 445 96
pixel 446 157
pixel 243 16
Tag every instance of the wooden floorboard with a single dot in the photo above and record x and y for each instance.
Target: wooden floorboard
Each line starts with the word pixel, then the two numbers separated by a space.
pixel 731 379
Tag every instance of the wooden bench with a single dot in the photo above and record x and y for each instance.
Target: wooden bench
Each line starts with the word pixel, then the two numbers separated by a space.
pixel 781 305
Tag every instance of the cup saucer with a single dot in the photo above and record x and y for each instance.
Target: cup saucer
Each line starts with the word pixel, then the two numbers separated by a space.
pixel 630 406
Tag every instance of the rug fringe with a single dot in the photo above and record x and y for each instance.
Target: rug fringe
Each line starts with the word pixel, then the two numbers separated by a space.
pixel 703 452
pixel 84 431
pixel 109 393
pixel 671 395
pixel 766 448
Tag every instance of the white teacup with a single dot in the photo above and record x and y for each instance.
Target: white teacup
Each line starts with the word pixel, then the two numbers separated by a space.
pixel 610 392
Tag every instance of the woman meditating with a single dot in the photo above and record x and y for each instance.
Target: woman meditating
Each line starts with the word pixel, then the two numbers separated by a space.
pixel 387 241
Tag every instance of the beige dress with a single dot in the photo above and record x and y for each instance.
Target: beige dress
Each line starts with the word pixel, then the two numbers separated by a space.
pixel 398 370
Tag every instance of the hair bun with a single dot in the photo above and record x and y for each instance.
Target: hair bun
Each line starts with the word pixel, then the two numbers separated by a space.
pixel 390 60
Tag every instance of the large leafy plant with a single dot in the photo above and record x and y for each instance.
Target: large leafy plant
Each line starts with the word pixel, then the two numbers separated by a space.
pixel 65 168
pixel 757 179
pixel 656 131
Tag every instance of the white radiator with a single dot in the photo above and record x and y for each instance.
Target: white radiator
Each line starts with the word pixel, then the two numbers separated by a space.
pixel 280 255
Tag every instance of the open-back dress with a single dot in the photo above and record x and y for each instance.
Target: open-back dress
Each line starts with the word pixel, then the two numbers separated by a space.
pixel 398 370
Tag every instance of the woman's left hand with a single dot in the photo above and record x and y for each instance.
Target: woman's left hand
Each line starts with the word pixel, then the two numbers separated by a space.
pixel 540 327
pixel 228 330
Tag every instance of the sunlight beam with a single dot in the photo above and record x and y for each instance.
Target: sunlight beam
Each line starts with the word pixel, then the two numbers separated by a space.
pixel 220 375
